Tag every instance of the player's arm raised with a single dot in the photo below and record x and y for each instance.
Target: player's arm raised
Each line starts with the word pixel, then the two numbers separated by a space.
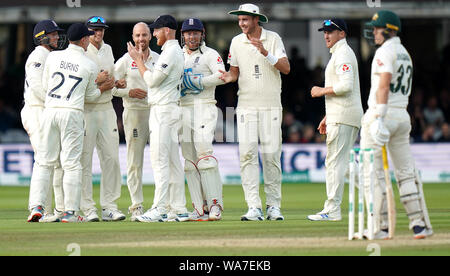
pixel 282 64
pixel 152 78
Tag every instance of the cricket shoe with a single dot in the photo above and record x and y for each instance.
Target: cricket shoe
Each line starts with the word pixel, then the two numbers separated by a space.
pixel 71 217
pixel 152 215
pixel 383 234
pixel 215 213
pixel 253 214
pixel 322 216
pixel 112 215
pixel 91 216
pixel 36 214
pixel 55 217
pixel 274 213
pixel 421 232
pixel 195 216
pixel 136 211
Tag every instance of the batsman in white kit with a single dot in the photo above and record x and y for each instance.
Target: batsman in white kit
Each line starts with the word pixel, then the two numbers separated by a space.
pixel 69 79
pixel 256 58
pixel 136 113
pixel 202 66
pixel 343 112
pixel 387 122
pixel 47 38
pixel 101 132
pixel 164 86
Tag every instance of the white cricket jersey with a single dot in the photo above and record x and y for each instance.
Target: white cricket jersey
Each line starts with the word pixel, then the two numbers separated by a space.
pixel 126 68
pixel 342 74
pixel 69 79
pixel 392 57
pixel 207 62
pixel 259 81
pixel 34 93
pixel 104 59
pixel 170 63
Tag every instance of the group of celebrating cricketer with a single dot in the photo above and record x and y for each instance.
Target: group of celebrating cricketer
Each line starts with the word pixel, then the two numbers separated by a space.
pixel 169 100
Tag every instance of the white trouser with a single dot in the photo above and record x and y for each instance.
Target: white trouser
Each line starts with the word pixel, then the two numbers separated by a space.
pixel 136 128
pixel 165 159
pixel 263 125
pixel 31 120
pixel 62 137
pixel 198 125
pixel 397 121
pixel 340 140
pixel 101 132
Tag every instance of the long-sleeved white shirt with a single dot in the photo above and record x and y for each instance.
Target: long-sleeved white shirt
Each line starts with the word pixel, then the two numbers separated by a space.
pixel 34 93
pixel 126 68
pixel 392 57
pixel 207 62
pixel 342 74
pixel 104 59
pixel 164 81
pixel 259 81
pixel 69 79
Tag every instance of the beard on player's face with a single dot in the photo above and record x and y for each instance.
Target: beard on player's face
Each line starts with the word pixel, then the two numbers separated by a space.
pixel 160 35
pixel 141 41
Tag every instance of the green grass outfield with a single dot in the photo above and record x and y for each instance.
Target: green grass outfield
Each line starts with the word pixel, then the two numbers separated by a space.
pixel 229 237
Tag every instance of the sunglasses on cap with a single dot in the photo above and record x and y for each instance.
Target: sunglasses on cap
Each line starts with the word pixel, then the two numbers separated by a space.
pixel 329 22
pixel 96 19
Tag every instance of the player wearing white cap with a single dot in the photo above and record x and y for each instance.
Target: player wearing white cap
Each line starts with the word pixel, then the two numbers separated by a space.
pixel 47 38
pixel 202 66
pixel 101 132
pixel 164 83
pixel 257 56
pixel 343 112
pixel 387 122
pixel 136 113
pixel 68 79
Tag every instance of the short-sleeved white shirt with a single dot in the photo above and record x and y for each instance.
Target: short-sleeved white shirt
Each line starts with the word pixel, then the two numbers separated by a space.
pixel 259 81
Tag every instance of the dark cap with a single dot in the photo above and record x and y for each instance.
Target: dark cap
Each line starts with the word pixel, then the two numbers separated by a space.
pixel 192 24
pixel 45 27
pixel 164 21
pixel 334 24
pixel 77 31
pixel 95 22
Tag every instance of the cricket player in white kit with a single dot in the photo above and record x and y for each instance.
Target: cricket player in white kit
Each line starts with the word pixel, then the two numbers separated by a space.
pixel 387 122
pixel 257 56
pixel 164 86
pixel 47 39
pixel 202 66
pixel 136 113
pixel 343 113
pixel 69 78
pixel 101 132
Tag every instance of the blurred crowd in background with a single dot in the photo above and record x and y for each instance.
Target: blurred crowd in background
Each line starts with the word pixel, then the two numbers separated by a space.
pixel 429 104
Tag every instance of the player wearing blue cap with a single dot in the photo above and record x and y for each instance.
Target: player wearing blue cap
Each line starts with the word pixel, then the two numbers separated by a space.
pixel 343 112
pixel 68 79
pixel 47 37
pixel 202 67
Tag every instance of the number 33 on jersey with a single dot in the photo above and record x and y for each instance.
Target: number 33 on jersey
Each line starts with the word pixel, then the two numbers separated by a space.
pixel 392 58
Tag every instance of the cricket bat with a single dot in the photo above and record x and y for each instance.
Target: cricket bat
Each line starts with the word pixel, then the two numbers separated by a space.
pixel 389 195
